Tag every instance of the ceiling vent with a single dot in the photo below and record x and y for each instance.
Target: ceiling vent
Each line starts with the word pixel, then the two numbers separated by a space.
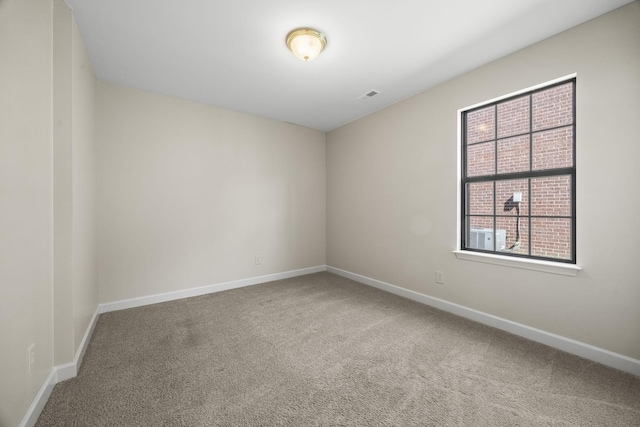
pixel 369 94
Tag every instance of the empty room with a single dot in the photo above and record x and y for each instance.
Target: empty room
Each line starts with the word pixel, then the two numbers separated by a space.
pixel 246 213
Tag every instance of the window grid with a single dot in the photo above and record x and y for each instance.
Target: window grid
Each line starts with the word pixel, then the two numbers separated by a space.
pixel 529 175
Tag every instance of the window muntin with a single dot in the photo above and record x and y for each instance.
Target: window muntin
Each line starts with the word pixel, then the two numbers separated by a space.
pixel 518 175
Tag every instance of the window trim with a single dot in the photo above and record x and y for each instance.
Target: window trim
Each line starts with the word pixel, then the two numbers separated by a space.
pixel 544 266
pixel 566 267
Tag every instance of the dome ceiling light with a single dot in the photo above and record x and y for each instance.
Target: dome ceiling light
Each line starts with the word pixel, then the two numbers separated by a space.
pixel 306 43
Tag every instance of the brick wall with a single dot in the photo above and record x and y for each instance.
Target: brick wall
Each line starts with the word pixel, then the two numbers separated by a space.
pixel 531 132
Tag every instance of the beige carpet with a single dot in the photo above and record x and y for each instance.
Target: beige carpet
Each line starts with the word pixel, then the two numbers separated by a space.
pixel 324 350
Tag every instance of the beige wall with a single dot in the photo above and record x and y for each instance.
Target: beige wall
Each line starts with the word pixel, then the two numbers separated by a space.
pixel 188 194
pixel 85 259
pixel 25 202
pixel 391 184
pixel 48 271
pixel 74 184
pixel 62 184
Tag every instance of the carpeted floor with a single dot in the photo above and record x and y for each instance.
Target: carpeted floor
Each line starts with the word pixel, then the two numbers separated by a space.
pixel 324 350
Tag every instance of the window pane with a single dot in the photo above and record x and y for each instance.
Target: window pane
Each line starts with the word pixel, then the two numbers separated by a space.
pixel 516 235
pixel 553 149
pixel 513 117
pixel 481 221
pixel 480 232
pixel 551 237
pixel 481 125
pixel 513 154
pixel 551 196
pixel 481 159
pixel 507 193
pixel 480 198
pixel 553 107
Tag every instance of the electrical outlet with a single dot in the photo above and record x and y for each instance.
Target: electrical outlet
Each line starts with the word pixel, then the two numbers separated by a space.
pixel 440 277
pixel 258 259
pixel 31 357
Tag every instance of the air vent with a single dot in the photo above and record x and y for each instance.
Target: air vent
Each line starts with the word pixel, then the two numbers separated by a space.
pixel 369 94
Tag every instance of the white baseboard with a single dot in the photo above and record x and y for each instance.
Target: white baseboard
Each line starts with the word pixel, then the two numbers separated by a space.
pixel 204 290
pixel 31 417
pixel 70 370
pixel 587 351
pixel 59 373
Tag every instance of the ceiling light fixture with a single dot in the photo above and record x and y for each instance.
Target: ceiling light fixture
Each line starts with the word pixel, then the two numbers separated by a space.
pixel 306 43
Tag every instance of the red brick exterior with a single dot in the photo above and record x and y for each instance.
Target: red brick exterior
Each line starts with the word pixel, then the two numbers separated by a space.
pixel 533 132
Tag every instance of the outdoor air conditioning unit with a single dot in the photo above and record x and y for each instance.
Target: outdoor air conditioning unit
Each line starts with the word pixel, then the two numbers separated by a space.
pixel 482 238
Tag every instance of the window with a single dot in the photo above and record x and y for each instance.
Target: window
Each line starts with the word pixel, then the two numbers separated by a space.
pixel 519 175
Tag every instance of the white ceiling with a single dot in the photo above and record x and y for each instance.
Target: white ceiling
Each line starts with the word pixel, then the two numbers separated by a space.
pixel 232 54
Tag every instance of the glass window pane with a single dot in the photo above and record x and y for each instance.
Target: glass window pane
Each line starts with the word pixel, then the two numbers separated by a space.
pixel 480 198
pixel 551 237
pixel 507 195
pixel 551 196
pixel 480 232
pixel 513 154
pixel 553 107
pixel 553 149
pixel 481 159
pixel 481 222
pixel 513 117
pixel 481 125
pixel 513 235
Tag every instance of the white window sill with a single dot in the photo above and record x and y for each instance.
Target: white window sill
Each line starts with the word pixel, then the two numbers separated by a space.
pixel 523 263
